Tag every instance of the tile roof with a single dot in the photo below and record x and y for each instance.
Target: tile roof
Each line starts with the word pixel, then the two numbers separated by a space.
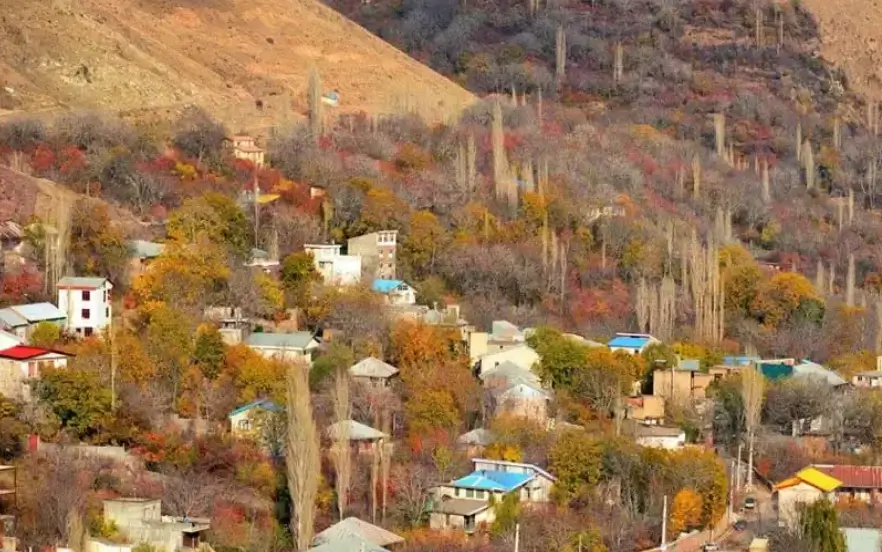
pixel 262 403
pixel 354 431
pixel 80 282
pixel 856 477
pixel 26 352
pixel 486 480
pixel 23 315
pixel 386 286
pixel 478 436
pixel 460 506
pixel 295 340
pixel 146 249
pixel 353 526
pixel 630 341
pixel 371 367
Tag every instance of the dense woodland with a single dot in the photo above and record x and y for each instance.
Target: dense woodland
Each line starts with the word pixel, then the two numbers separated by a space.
pixel 689 169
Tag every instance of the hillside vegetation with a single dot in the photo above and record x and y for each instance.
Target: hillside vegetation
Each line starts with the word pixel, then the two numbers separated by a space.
pixel 227 56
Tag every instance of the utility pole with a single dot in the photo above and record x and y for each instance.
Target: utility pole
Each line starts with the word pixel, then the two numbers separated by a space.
pixel 738 470
pixel 112 369
pixel 664 540
pixel 518 537
pixel 731 491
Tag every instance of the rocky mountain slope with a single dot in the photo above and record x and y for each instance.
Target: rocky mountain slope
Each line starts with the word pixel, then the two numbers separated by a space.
pixel 246 62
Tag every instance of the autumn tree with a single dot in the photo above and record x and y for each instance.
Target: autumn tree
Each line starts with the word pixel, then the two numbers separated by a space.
pixel 795 401
pixel 787 296
pixel 45 334
pixel 297 275
pixel 97 245
pixel 341 455
pixel 424 241
pixel 686 511
pixel 302 460
pixel 214 216
pixel 575 458
pixel 199 137
pixel 819 523
pixel 77 398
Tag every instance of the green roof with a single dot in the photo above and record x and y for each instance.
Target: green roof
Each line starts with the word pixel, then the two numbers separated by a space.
pixel 81 282
pixel 294 340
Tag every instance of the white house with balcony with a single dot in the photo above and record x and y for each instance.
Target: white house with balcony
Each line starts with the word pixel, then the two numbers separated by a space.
pixel 86 303
pixel 334 267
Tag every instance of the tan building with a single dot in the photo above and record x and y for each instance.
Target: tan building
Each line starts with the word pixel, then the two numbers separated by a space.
pixel 646 409
pixel 378 253
pixel 678 385
pixel 806 487
pixel 243 147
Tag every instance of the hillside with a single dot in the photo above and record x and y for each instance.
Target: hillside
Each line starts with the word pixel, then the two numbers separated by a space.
pixel 851 37
pixel 228 56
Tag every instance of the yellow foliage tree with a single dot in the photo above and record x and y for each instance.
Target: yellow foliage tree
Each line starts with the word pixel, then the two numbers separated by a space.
pixel 183 275
pixel 686 511
pixel 781 296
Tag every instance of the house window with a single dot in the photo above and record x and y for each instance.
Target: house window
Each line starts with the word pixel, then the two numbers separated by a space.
pixel 480 494
pixel 87 295
pixel 107 313
pixel 86 314
pixel 470 493
pixel 456 492
pixel 244 425
pixel 87 332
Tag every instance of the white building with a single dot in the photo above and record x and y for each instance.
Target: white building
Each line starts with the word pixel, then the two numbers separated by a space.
pixel 86 302
pixel 656 436
pixel 289 347
pixel 335 268
pixel 396 292
pixel 140 521
pixel 20 364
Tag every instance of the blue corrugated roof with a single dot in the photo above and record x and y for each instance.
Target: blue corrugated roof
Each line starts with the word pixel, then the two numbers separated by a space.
pixel 23 315
pixel 739 360
pixel 386 286
pixel 485 480
pixel 629 341
pixel 262 403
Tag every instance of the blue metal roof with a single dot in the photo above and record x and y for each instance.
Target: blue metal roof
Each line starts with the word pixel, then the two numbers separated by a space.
pixel 739 360
pixel 485 480
pixel 24 315
pixel 386 286
pixel 629 341
pixel 262 403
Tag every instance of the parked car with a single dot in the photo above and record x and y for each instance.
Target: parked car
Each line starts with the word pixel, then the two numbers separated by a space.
pixel 749 503
pixel 740 525
pixel 710 547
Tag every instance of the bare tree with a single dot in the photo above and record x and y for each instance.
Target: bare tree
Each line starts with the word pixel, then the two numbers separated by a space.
pixel 341 455
pixel 189 492
pixel 302 457
pixel 412 483
pixel 752 385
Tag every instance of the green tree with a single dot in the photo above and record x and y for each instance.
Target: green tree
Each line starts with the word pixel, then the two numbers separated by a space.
pixel 209 351
pixel 507 510
pixel 338 356
pixel 46 334
pixel 576 461
pixel 215 216
pixel 820 524
pixel 560 358
pixel 298 273
pixel 12 431
pixel 78 398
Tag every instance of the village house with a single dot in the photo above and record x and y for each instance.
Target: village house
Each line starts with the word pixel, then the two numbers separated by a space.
pixel 657 436
pixel 141 254
pixel 334 267
pixel 522 355
pixel 355 534
pixel 521 399
pixel 836 482
pixel 645 409
pixel 20 364
pixel 475 441
pixel 262 260
pixel 373 372
pixel 20 320
pixel 362 438
pixel 140 521
pixel 867 379
pixel 503 335
pixel 465 502
pixel 634 343
pixel 378 252
pixel 684 382
pixel 298 347
pixel 396 292
pixel 244 147
pixel 86 302
pixel 244 420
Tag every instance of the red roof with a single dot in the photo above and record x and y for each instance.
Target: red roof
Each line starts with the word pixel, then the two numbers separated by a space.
pixel 855 477
pixel 25 352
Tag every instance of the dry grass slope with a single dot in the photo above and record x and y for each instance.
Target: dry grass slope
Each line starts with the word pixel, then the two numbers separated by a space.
pixel 153 57
pixel 851 37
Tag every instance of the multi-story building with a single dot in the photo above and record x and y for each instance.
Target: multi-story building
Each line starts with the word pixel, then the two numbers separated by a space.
pixel 335 268
pixel 377 251
pixel 86 303
pixel 244 147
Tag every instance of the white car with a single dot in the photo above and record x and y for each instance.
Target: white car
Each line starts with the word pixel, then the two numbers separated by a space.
pixel 710 547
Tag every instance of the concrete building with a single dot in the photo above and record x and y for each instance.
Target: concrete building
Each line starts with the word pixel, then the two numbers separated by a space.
pixel 297 347
pixel 86 302
pixel 140 521
pixel 378 253
pixel 373 372
pixel 20 320
pixel 362 438
pixel 243 419
pixel 867 379
pixel 806 487
pixel 522 355
pixel 22 363
pixel 634 343
pixel 656 436
pixel 464 503
pixel 334 267
pixel 646 409
pixel 396 292
pixel 244 147
pixel 141 254
pixel 681 384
